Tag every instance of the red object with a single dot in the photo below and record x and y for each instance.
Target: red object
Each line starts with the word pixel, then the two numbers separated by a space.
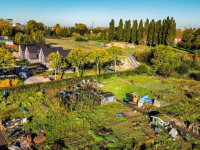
pixel 12 46
pixel 192 56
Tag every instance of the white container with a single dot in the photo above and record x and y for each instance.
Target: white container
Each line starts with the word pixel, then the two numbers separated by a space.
pixel 140 103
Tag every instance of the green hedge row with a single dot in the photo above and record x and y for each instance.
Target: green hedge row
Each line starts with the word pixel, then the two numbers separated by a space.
pixel 64 82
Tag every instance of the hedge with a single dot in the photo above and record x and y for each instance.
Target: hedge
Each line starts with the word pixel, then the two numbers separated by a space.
pixel 64 82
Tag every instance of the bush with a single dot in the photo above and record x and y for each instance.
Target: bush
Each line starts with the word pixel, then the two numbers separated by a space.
pixel 143 56
pixel 198 77
pixel 183 69
pixel 80 39
pixel 142 69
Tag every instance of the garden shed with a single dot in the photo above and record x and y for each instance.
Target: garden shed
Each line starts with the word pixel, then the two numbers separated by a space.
pixel 161 120
pixel 107 98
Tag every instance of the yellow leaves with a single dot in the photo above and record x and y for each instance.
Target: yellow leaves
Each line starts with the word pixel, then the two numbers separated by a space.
pixel 8 82
pixel 76 34
pixel 80 26
pixel 58 31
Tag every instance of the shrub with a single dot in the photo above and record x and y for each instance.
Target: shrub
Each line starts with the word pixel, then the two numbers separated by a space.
pixel 80 39
pixel 143 56
pixel 142 69
pixel 183 69
pixel 198 77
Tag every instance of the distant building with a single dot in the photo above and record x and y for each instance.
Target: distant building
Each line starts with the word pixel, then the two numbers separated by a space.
pixel 3 38
pixel 177 39
pixel 19 24
pixel 9 42
pixel 10 21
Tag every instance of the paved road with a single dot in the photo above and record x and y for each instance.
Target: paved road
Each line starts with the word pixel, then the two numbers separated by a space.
pixel 92 43
pixel 135 64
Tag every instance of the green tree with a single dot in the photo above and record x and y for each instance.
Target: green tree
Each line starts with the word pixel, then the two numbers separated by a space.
pixel 40 26
pixel 128 31
pixel 5 29
pixel 38 38
pixel 140 32
pixel 7 60
pixel 116 54
pixel 158 34
pixel 165 30
pixel 146 28
pixel 77 57
pixel 125 31
pixel 56 61
pixel 164 59
pixel 120 32
pixel 32 26
pixel 98 56
pixel 151 32
pixel 171 33
pixel 19 38
pixel 64 32
pixel 188 35
pixel 134 32
pixel 111 30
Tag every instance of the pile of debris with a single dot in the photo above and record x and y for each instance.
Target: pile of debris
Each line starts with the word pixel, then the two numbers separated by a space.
pixel 17 137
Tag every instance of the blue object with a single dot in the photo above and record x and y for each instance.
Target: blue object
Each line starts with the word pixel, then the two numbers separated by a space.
pixel 138 126
pixel 79 82
pixel 110 70
pixel 25 68
pixel 125 100
pixel 4 95
pixel 120 115
pixel 146 99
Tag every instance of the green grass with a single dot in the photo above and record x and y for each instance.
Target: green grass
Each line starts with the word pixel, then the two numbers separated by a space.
pixel 69 43
pixel 182 50
pixel 98 43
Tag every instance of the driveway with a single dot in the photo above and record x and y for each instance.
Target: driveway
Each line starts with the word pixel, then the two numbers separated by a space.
pixel 135 64
pixel 92 43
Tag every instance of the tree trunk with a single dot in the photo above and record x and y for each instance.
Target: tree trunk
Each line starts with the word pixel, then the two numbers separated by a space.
pixel 55 73
pixel 115 64
pixel 97 68
pixel 78 70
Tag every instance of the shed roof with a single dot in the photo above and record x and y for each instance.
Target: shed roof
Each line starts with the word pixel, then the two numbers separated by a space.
pixel 109 94
pixel 46 51
pixel 64 53
pixel 162 117
pixel 23 46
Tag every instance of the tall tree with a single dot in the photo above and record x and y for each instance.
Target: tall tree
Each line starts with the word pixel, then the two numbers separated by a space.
pixel 151 32
pixel 111 30
pixel 98 56
pixel 158 34
pixel 116 54
pixel 32 26
pixel 140 32
pixel 77 57
pixel 128 26
pixel 146 28
pixel 171 33
pixel 134 32
pixel 120 32
pixel 188 35
pixel 125 31
pixel 56 61
pixel 165 30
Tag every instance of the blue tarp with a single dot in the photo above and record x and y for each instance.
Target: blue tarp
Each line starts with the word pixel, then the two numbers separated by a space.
pixel 110 70
pixel 146 99
pixel 25 68
pixel 120 115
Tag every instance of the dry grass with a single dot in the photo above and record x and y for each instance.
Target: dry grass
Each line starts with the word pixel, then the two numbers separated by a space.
pixel 69 44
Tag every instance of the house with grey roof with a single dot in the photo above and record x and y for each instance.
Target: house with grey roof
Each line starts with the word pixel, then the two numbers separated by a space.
pixel 45 52
pixel 32 53
pixel 22 49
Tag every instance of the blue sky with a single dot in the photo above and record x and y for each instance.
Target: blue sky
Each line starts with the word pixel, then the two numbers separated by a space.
pixel 69 12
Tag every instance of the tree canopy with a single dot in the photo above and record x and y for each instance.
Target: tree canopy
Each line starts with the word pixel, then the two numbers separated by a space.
pixel 77 57
pixel 98 56
pixel 116 54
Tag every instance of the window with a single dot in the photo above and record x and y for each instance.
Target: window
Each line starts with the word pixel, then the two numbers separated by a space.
pixel 37 56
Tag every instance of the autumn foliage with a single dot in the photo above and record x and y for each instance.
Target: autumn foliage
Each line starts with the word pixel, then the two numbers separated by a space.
pixel 8 82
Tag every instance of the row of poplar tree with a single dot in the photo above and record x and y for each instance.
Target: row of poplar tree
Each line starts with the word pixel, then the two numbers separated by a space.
pixel 151 32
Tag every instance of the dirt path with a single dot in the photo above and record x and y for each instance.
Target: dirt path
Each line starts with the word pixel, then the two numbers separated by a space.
pixel 2 143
